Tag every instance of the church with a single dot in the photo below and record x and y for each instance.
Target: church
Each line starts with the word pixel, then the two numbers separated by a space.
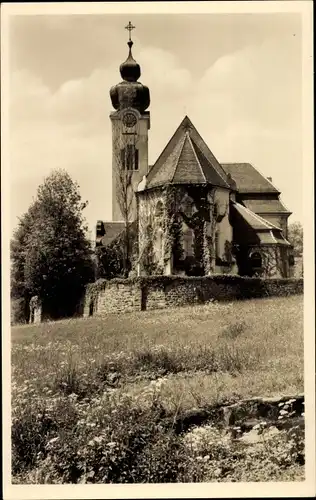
pixel 191 214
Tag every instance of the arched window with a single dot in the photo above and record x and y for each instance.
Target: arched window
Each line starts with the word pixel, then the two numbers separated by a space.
pixel 256 260
pixel 187 206
pixel 129 157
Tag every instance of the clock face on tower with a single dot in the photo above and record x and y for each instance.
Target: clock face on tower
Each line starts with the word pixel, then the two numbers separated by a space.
pixel 129 119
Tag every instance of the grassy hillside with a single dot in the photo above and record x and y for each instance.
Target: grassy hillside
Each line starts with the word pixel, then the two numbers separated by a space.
pixel 143 368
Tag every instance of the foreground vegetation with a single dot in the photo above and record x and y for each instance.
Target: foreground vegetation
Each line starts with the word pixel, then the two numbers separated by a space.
pixel 96 400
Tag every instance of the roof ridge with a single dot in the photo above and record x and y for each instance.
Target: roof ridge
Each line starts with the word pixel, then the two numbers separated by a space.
pixel 216 170
pixel 194 152
pixel 178 158
pixel 155 165
pixel 214 157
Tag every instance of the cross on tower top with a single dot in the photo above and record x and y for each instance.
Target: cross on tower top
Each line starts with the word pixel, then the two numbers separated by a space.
pixel 129 27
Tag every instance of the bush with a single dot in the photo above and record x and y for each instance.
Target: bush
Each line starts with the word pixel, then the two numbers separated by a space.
pixel 105 440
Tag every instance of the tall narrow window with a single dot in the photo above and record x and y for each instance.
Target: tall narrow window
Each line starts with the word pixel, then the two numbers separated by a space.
pixel 217 249
pixel 188 243
pixel 159 210
pixel 129 157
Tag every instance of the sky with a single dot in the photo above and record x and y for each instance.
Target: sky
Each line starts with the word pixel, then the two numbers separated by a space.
pixel 237 76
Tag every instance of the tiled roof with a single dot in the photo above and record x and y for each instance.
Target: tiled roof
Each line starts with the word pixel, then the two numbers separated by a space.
pixel 267 232
pixel 272 237
pixel 111 231
pixel 248 178
pixel 255 221
pixel 187 160
pixel 265 206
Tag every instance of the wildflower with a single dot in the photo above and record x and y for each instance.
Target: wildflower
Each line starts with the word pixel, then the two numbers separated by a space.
pixel 52 441
pixel 98 439
pixel 283 412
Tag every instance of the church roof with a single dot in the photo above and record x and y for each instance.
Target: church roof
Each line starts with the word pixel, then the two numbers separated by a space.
pixel 262 206
pixel 248 178
pixel 187 160
pixel 266 232
pixel 109 232
pixel 254 220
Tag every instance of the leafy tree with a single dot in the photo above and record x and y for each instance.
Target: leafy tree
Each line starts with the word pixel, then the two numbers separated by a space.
pixel 50 254
pixel 295 237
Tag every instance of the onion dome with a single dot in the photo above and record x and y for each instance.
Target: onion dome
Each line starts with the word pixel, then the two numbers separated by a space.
pixel 130 93
pixel 130 69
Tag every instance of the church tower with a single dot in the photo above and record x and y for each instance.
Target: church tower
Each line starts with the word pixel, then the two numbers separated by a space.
pixel 130 125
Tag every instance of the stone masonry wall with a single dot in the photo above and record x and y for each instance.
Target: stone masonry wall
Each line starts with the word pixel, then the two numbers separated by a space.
pixel 157 292
pixel 113 298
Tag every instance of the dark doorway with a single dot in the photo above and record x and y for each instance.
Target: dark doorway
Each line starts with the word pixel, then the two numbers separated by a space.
pixel 143 304
pixel 91 307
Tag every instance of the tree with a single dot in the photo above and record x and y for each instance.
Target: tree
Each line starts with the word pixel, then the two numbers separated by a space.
pixel 295 237
pixel 50 254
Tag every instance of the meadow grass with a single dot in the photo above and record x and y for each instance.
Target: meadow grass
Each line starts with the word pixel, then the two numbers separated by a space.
pixel 200 356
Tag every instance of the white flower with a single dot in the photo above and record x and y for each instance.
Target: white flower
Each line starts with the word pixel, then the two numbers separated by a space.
pixel 98 439
pixel 53 440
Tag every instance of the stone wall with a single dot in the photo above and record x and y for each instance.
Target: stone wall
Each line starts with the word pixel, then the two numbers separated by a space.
pixel 113 297
pixel 158 292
